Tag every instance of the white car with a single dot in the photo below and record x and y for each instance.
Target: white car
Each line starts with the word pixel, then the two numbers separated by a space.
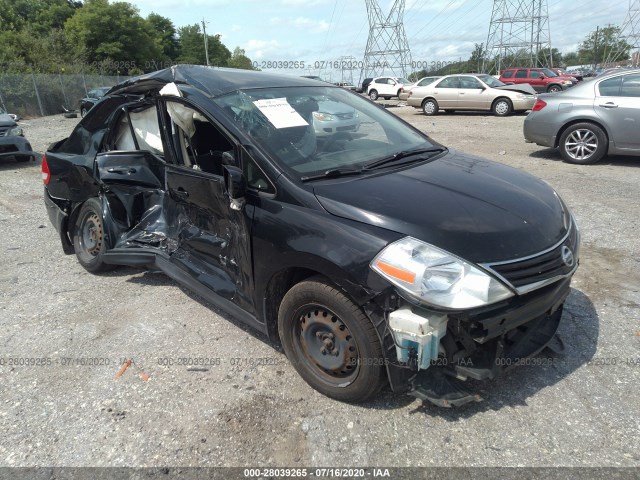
pixel 386 87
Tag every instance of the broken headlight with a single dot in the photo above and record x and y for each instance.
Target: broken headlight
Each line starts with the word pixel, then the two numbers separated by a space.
pixel 437 277
pixel 15 132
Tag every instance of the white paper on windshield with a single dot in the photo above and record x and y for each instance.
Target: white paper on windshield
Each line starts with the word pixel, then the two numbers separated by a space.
pixel 280 113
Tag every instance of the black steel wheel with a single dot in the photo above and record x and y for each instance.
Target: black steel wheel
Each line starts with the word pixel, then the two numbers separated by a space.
pixel 583 143
pixel 89 237
pixel 331 342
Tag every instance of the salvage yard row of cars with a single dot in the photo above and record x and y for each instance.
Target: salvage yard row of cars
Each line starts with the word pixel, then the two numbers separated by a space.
pixel 227 181
pixel 254 190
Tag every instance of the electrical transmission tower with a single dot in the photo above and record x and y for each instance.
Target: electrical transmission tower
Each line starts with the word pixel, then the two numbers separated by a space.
pixel 519 35
pixel 387 46
pixel 630 31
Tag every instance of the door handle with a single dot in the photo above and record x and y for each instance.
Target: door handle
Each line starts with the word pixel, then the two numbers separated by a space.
pixel 609 105
pixel 122 171
pixel 181 192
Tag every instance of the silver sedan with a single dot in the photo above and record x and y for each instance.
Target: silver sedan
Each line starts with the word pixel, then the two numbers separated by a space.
pixel 472 92
pixel 589 120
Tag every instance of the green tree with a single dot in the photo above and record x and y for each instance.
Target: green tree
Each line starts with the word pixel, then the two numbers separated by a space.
pixel 167 35
pixel 192 47
pixel 603 43
pixel 113 36
pixel 240 60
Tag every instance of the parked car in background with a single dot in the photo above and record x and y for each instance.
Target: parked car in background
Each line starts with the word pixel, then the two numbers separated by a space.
pixel 423 82
pixel 472 92
pixel 346 85
pixel 378 257
pixel 604 117
pixel 364 86
pixel 93 97
pixel 12 141
pixel 333 118
pixel 538 78
pixel 561 72
pixel 386 87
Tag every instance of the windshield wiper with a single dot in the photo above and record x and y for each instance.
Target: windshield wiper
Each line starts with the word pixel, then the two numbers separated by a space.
pixel 332 173
pixel 403 154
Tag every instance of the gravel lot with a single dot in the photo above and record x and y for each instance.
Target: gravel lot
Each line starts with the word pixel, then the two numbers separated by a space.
pixel 584 411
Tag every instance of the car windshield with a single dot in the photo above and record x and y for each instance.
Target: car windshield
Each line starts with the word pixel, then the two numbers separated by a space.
pixel 549 73
pixel 491 81
pixel 311 130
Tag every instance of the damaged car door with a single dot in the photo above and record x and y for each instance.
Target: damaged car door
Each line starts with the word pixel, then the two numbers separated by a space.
pixel 213 241
pixel 167 192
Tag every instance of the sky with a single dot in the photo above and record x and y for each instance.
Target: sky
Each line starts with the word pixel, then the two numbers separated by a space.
pixel 317 31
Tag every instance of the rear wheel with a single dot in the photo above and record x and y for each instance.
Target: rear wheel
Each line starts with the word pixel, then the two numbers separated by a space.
pixel 502 107
pixel 330 342
pixel 583 143
pixel 430 106
pixel 89 237
pixel 373 95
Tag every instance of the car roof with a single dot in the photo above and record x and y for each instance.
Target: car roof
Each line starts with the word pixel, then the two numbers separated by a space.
pixel 212 81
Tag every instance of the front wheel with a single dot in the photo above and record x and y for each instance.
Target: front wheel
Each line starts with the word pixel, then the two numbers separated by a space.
pixel 373 95
pixel 83 112
pixel 554 89
pixel 502 107
pixel 583 143
pixel 89 237
pixel 430 106
pixel 330 342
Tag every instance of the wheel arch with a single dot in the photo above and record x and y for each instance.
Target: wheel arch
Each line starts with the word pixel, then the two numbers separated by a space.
pixel 281 281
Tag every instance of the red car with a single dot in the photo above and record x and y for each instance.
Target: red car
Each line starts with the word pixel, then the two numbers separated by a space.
pixel 541 79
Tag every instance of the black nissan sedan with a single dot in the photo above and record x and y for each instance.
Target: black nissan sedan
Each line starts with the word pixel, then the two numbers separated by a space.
pixel 375 256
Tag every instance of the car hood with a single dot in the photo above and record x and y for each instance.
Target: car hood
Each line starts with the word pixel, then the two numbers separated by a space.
pixel 6 120
pixel 522 88
pixel 479 210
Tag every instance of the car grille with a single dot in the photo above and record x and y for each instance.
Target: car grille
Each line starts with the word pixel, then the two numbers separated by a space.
pixel 4 131
pixel 536 271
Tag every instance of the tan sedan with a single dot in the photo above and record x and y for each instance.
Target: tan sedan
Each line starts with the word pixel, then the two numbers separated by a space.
pixel 472 92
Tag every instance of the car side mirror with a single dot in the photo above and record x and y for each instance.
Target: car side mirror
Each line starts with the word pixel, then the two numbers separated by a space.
pixel 542 76
pixel 235 186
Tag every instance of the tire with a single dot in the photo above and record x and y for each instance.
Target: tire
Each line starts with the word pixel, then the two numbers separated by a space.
pixel 373 95
pixel 89 239
pixel 554 89
pixel 430 107
pixel 83 112
pixel 502 107
pixel 583 144
pixel 331 343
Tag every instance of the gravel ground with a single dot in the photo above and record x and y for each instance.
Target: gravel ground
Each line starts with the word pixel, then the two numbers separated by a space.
pixel 583 411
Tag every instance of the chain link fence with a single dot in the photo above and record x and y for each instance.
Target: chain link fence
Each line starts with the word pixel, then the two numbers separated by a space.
pixel 37 95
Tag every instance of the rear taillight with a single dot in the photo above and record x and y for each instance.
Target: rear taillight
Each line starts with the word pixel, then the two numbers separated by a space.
pixel 46 174
pixel 540 104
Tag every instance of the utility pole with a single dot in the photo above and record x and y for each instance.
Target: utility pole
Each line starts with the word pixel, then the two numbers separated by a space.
pixel 595 49
pixel 206 41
